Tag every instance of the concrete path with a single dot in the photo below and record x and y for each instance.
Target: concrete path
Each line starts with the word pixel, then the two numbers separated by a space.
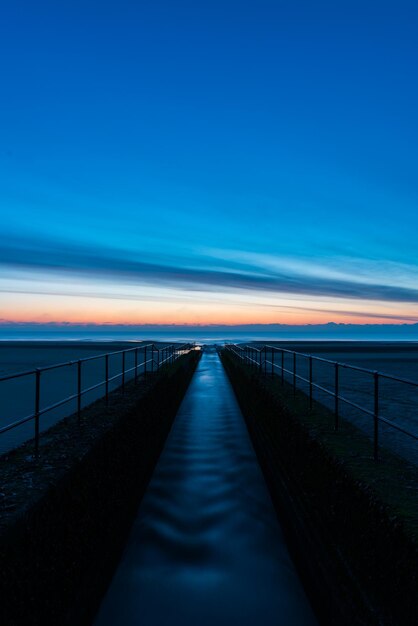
pixel 206 548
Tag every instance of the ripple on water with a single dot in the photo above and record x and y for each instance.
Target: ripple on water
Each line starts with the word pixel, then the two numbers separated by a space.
pixel 206 547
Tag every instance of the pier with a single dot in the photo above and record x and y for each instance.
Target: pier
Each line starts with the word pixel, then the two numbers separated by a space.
pixel 205 486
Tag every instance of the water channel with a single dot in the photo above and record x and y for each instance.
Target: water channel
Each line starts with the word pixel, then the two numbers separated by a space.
pixel 206 548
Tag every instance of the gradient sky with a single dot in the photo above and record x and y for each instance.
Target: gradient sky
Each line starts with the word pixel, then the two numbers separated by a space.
pixel 209 162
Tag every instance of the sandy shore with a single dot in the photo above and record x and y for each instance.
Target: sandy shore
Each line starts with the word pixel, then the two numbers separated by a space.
pixel 17 397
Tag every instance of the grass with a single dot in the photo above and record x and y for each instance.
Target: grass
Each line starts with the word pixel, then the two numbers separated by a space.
pixel 391 479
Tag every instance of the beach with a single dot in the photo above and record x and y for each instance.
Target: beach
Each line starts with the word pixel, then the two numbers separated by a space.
pixel 398 402
pixel 17 396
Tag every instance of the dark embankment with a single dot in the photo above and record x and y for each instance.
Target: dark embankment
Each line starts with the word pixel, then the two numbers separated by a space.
pixel 351 524
pixel 64 518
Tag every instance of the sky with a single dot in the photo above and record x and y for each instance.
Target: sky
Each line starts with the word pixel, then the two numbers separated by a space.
pixel 208 162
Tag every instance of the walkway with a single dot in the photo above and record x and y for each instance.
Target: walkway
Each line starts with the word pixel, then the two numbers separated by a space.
pixel 206 548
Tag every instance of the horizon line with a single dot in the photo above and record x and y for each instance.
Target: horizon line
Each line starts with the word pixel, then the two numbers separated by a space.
pixel 65 324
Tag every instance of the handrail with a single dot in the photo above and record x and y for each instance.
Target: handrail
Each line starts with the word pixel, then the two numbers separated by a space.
pixel 166 354
pixel 246 352
pixel 407 381
pixel 66 363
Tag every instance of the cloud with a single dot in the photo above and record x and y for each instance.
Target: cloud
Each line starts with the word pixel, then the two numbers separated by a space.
pixel 117 267
pixel 347 313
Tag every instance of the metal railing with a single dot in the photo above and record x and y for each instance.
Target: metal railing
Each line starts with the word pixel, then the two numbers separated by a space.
pixel 257 358
pixel 154 359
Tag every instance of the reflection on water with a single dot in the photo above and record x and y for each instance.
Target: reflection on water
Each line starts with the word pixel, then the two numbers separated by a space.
pixel 206 547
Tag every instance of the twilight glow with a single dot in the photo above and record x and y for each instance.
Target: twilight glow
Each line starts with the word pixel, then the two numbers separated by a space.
pixel 209 163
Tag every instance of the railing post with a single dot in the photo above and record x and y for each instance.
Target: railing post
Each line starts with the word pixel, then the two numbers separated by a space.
pixel 123 371
pixel 294 373
pixel 158 359
pixel 145 362
pixel 136 364
pixel 337 397
pixel 152 358
pixel 376 417
pixel 272 362
pixel 78 390
pixel 265 360
pixel 282 367
pixel 310 383
pixel 107 377
pixel 37 409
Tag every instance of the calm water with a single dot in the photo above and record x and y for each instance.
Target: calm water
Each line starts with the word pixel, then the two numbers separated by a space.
pixel 206 548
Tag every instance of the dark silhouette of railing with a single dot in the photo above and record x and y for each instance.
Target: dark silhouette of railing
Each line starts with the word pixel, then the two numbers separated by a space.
pixel 154 359
pixel 256 357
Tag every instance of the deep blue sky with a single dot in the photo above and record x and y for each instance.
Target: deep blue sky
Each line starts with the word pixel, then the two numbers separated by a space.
pixel 219 161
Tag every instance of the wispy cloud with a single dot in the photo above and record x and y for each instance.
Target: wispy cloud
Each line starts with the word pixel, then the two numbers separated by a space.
pixel 114 266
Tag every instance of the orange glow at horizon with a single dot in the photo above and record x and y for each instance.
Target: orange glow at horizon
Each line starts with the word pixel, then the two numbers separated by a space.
pixel 84 310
